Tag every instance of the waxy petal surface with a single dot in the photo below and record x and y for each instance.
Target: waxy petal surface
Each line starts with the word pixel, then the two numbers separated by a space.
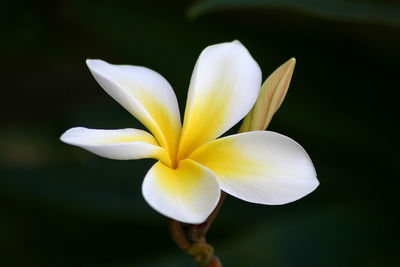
pixel 120 144
pixel 223 88
pixel 146 95
pixel 260 167
pixel 188 193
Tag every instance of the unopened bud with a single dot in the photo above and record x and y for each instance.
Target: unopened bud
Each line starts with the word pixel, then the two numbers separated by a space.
pixel 270 97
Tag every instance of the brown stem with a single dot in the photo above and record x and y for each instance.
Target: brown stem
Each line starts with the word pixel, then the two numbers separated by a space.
pixel 198 231
pixel 178 235
pixel 214 262
pixel 191 238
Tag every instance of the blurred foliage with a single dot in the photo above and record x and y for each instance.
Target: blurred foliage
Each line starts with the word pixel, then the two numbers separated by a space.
pixel 62 206
pixel 372 11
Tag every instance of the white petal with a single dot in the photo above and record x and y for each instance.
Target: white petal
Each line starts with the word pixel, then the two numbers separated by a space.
pixel 260 167
pixel 224 86
pixel 188 193
pixel 120 144
pixel 146 95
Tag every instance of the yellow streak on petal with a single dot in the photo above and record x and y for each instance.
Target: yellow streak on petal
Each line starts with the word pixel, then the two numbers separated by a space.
pixel 150 109
pixel 205 120
pixel 181 182
pixel 159 120
pixel 225 156
pixel 161 125
pixel 138 136
pixel 132 137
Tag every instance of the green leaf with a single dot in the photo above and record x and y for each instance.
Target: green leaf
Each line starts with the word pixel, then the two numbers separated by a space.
pixel 377 12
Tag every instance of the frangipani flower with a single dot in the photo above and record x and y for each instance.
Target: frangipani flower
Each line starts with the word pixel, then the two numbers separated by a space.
pixel 193 165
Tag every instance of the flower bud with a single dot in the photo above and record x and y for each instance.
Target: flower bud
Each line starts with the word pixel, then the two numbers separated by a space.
pixel 270 97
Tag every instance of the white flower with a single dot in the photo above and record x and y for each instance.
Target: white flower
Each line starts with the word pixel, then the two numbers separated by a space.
pixel 185 184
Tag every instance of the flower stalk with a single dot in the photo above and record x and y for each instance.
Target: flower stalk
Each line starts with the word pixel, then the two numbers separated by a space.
pixel 191 238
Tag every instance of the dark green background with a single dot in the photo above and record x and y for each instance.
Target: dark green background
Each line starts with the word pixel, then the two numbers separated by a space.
pixel 62 206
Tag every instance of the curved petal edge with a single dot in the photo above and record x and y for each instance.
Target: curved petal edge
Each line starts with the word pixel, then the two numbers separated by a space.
pixel 146 95
pixel 223 88
pixel 187 194
pixel 260 167
pixel 122 144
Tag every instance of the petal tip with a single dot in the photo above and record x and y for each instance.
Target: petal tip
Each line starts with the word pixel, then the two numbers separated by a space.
pixel 292 62
pixel 237 42
pixel 288 66
pixel 64 136
pixel 69 135
pixel 91 63
pixel 316 183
